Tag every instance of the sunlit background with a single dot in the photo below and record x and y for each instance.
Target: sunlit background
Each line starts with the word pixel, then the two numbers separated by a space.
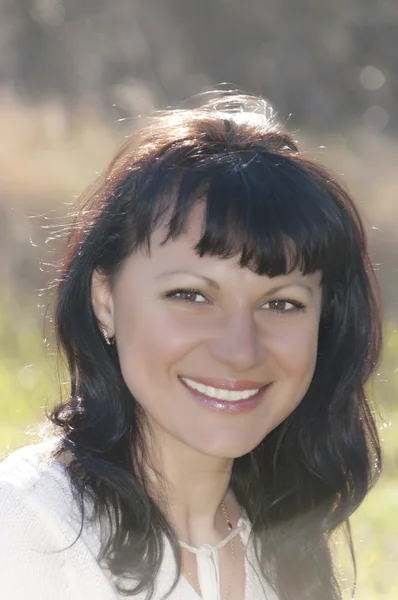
pixel 75 75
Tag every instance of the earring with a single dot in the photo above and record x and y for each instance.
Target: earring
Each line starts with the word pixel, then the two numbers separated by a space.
pixel 105 334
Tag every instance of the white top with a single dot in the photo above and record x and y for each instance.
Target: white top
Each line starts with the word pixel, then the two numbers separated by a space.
pixel 38 515
pixel 208 563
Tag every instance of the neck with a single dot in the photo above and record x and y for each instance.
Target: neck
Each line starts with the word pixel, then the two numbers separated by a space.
pixel 190 488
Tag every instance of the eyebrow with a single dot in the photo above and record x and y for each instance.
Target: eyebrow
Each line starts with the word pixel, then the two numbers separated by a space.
pixel 215 285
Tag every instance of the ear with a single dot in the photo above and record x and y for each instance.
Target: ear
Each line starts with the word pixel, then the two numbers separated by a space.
pixel 102 302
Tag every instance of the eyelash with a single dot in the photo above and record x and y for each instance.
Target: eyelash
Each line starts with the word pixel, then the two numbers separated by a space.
pixel 298 306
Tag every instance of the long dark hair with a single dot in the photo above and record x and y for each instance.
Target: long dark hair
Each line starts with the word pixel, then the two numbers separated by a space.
pixel 275 210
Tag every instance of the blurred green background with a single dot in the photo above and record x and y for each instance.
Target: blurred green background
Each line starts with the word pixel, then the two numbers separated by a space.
pixel 74 78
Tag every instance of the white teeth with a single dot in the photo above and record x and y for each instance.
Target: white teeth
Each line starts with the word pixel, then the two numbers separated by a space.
pixel 230 395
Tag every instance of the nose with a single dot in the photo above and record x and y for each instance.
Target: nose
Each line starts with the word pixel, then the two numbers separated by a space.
pixel 238 343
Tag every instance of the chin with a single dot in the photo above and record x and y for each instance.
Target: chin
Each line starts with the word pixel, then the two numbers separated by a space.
pixel 227 451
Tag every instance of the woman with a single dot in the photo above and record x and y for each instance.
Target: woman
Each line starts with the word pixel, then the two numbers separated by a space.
pixel 218 313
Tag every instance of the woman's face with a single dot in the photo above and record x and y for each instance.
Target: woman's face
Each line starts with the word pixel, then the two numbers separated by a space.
pixel 236 331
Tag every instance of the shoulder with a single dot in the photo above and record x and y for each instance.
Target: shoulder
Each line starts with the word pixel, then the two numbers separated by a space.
pixel 42 543
pixel 30 476
pixel 36 497
pixel 22 468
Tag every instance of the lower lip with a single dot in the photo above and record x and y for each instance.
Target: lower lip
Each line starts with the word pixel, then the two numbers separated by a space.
pixel 223 406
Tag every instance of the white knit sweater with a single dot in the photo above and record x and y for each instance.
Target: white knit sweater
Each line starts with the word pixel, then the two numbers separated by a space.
pixel 38 515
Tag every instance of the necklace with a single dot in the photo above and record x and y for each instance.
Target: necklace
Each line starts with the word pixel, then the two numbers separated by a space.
pixel 195 581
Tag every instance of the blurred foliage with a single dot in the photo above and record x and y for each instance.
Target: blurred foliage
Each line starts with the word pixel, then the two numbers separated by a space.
pixel 330 64
pixel 29 384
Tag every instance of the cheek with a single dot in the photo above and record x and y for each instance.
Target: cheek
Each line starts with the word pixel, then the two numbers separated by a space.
pixel 169 336
pixel 295 350
pixel 295 355
pixel 152 342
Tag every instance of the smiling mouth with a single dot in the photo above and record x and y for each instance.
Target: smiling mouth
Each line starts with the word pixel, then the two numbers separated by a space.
pixel 228 395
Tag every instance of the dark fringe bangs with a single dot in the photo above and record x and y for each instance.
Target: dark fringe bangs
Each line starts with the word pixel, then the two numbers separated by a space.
pixel 269 210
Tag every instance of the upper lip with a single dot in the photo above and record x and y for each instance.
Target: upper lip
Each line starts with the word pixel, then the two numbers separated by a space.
pixel 228 384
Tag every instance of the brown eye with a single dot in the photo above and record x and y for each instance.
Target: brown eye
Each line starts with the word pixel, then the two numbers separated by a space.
pixel 187 295
pixel 279 305
pixel 284 306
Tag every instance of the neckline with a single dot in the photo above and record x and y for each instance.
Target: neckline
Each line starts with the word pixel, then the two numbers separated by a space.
pixel 243 527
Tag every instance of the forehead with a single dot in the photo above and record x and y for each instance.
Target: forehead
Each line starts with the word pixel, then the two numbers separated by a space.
pixel 193 230
pixel 179 252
